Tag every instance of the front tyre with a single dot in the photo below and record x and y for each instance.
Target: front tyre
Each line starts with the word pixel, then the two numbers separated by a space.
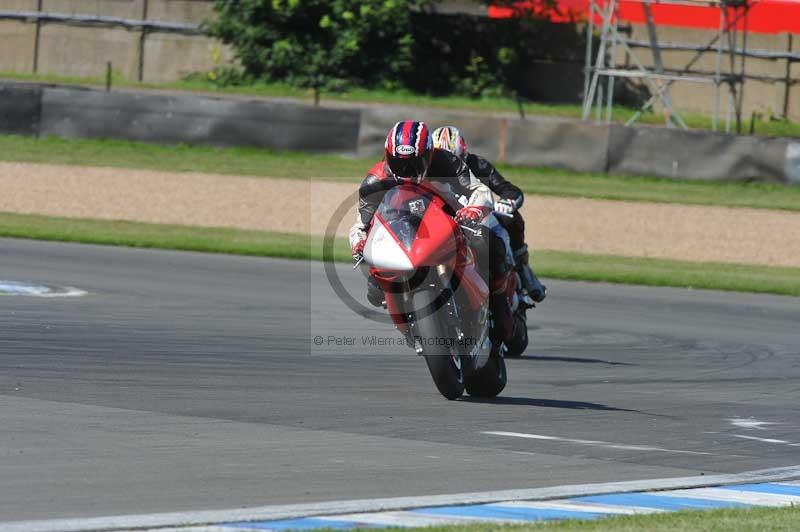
pixel 444 366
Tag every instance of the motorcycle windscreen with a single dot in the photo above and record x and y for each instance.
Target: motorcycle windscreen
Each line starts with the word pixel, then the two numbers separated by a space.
pixel 401 211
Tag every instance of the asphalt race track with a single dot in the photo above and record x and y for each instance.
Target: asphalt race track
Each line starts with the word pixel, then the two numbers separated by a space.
pixel 185 381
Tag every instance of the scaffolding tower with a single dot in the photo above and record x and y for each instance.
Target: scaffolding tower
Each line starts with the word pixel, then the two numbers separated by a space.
pixel 604 65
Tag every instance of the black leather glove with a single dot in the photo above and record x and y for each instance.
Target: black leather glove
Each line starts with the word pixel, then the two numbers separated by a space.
pixel 471 228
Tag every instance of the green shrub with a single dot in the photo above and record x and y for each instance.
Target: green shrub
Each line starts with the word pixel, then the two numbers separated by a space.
pixel 333 45
pixel 324 44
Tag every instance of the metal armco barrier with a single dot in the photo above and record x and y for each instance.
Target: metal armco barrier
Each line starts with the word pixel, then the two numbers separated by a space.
pixel 537 141
pixel 97 20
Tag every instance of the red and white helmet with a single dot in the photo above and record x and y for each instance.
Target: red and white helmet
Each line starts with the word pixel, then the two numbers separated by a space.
pixel 449 138
pixel 409 150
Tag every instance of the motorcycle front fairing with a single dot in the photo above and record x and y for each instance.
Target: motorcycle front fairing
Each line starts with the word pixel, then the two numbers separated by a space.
pixel 412 232
pixel 411 229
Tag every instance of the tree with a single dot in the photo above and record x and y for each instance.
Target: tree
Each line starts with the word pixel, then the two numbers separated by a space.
pixel 323 44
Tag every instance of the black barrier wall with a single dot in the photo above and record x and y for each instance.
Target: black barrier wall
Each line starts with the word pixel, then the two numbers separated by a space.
pixel 483 132
pixel 20 110
pixel 696 155
pixel 173 119
pixel 536 141
pixel 197 120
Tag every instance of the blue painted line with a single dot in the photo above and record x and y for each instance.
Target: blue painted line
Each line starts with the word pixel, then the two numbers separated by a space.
pixel 306 523
pixel 659 502
pixel 490 511
pixel 652 500
pixel 774 489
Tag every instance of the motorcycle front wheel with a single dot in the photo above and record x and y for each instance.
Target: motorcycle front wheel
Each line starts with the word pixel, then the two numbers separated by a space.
pixel 440 355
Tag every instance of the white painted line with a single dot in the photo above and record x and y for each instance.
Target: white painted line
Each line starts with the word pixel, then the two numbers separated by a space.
pixel 68 291
pixel 14 288
pixel 749 423
pixel 407 519
pixel 746 497
pixel 582 507
pixel 209 528
pixel 292 511
pixel 591 443
pixel 764 440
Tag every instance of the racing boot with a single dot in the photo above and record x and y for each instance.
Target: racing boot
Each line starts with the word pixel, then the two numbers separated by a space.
pixel 490 256
pixel 530 283
pixel 501 310
pixel 500 272
pixel 374 293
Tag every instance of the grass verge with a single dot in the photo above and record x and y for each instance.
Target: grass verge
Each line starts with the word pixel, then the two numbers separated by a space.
pixel 265 163
pixel 727 520
pixel 551 264
pixel 164 236
pixel 765 127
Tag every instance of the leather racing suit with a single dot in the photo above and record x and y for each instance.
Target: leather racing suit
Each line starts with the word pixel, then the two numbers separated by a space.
pixel 515 225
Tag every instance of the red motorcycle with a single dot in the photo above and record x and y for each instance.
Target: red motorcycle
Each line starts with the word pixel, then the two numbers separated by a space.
pixel 435 294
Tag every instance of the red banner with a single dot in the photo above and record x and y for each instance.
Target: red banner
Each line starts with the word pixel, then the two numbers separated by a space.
pixel 765 16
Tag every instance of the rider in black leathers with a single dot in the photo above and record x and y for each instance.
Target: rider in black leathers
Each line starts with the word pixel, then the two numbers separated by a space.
pixel 511 198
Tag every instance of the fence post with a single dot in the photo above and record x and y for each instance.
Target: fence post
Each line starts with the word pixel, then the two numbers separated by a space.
pixel 502 126
pixel 787 86
pixel 37 35
pixel 142 39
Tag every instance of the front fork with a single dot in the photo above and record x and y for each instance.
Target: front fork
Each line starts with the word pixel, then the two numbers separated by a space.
pixel 478 351
pixel 450 318
pixel 478 354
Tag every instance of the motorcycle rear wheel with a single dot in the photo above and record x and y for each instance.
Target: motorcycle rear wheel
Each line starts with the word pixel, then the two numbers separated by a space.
pixel 519 340
pixel 490 380
pixel 438 350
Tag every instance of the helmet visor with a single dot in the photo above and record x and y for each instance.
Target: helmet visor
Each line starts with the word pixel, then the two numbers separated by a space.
pixel 415 168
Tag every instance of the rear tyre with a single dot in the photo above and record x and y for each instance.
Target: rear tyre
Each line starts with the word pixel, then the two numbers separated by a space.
pixel 490 380
pixel 437 347
pixel 519 339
